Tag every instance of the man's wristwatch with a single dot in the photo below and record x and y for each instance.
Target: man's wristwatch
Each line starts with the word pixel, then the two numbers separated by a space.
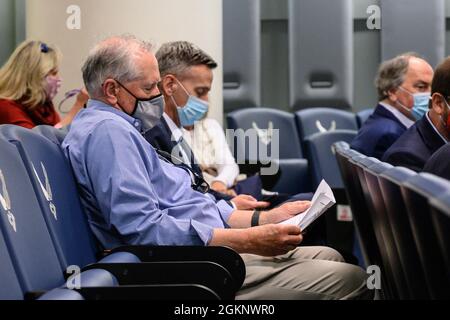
pixel 255 218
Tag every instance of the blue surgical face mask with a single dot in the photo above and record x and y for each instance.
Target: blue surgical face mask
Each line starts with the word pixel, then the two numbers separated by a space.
pixel 194 110
pixel 421 103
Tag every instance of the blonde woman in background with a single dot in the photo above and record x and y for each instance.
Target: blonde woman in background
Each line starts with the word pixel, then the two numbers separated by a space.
pixel 29 81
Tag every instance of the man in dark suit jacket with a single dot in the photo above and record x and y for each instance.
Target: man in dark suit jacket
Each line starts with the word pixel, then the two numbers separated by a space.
pixel 186 72
pixel 378 133
pixel 193 77
pixel 164 136
pixel 415 146
pixel 160 137
pixel 439 163
pixel 397 81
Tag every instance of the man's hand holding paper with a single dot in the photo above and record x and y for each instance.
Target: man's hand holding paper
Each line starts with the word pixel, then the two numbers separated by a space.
pixel 285 211
pixel 322 200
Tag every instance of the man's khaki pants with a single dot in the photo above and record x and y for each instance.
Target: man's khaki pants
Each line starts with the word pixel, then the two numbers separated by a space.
pixel 304 273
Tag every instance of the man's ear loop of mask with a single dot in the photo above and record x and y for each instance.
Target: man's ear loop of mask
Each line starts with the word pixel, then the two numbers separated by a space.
pixel 136 98
pixel 69 94
pixel 185 91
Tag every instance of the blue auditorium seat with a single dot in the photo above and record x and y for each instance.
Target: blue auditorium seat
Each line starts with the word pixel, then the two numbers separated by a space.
pixel 322 161
pixel 345 157
pixel 241 68
pixel 32 243
pixel 99 284
pixel 399 19
pixel 23 227
pixel 362 163
pixel 38 150
pixel 390 182
pixel 51 133
pixel 323 165
pixel 416 192
pixel 62 294
pixel 319 76
pixel 30 247
pixel 10 287
pixel 362 116
pixel 314 120
pixel 294 177
pixel 440 214
pixel 383 228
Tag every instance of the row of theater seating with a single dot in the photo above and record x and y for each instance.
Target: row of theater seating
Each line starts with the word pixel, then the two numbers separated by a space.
pixel 403 221
pixel 305 158
pixel 301 136
pixel 70 236
pixel 44 233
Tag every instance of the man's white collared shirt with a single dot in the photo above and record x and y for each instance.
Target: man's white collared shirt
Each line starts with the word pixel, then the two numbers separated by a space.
pixel 400 116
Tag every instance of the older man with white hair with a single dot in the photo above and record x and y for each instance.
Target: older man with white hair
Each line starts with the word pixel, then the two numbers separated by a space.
pixel 403 84
pixel 134 197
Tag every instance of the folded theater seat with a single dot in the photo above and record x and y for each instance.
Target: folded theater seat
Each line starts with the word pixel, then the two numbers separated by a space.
pixel 320 120
pixel 49 232
pixel 390 183
pixel 347 159
pixel 278 148
pixel 323 166
pixel 417 193
pixel 18 280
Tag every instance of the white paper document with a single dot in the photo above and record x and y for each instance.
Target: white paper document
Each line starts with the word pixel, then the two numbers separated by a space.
pixel 321 201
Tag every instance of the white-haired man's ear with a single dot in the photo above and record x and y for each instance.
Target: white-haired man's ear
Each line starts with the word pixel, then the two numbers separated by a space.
pixel 110 91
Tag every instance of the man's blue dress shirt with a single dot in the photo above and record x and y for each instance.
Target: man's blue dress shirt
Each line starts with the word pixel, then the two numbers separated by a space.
pixel 131 196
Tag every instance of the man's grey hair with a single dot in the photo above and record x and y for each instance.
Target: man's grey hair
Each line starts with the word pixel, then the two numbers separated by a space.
pixel 113 58
pixel 176 57
pixel 391 73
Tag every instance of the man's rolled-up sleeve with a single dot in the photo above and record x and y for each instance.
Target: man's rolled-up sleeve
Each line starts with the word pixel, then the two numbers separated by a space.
pixel 225 211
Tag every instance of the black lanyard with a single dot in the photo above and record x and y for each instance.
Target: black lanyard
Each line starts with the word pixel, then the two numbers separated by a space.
pixel 198 183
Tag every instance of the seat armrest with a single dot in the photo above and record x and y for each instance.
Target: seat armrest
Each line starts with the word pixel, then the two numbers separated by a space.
pixel 146 292
pixel 207 274
pixel 224 256
pixel 150 292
